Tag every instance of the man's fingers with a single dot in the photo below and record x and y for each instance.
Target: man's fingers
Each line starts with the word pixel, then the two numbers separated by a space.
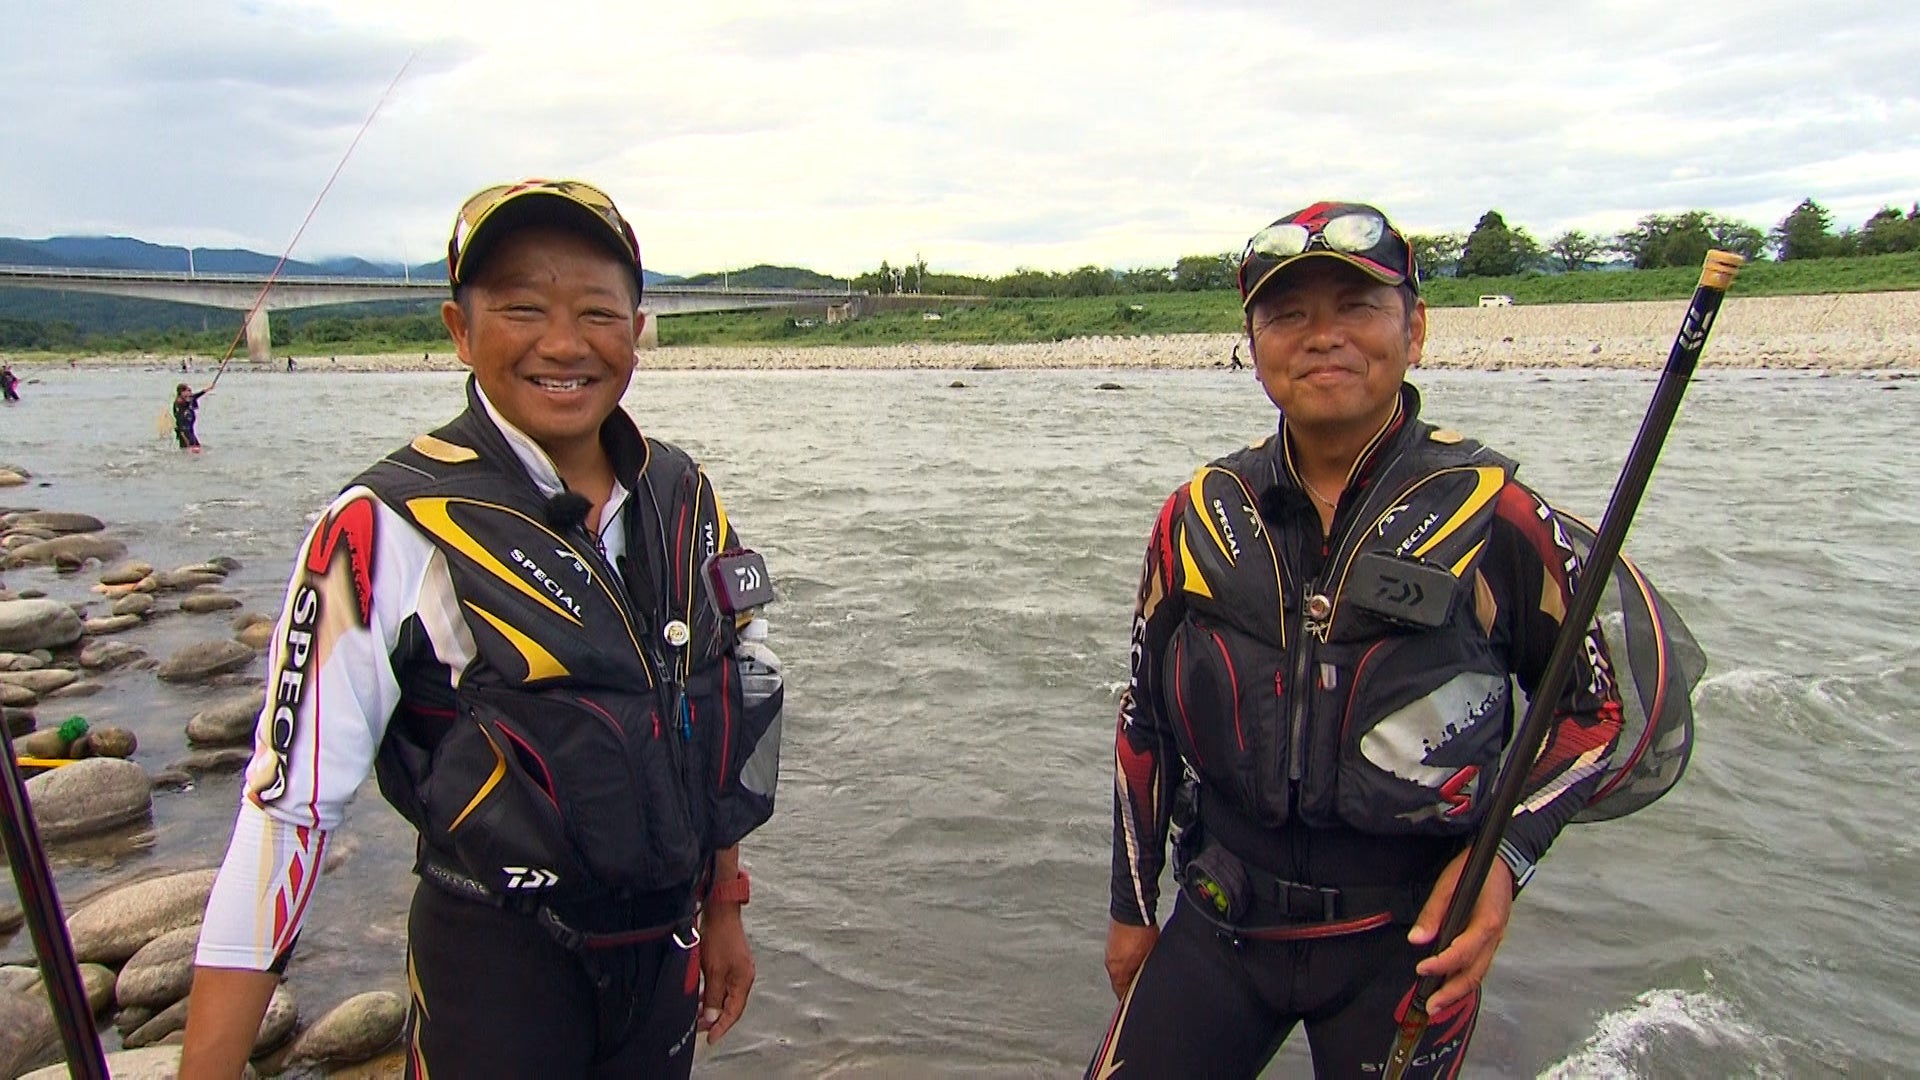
pixel 730 1010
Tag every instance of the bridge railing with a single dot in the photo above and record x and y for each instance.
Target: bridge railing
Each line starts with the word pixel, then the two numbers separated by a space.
pixel 51 274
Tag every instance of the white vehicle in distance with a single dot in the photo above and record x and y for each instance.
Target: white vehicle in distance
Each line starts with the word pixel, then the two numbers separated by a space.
pixel 1496 300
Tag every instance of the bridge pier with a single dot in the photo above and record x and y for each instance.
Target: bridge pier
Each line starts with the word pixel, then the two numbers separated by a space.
pixel 650 333
pixel 259 337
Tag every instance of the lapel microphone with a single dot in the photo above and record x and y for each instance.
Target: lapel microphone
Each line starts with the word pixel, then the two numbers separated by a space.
pixel 568 510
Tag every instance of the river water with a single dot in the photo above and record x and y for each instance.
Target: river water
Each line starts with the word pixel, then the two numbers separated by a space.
pixel 956 568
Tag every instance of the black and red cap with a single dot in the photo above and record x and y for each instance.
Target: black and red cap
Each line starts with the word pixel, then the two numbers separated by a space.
pixel 493 213
pixel 1355 233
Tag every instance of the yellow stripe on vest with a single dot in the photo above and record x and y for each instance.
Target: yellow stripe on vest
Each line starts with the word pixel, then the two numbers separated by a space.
pixel 541 664
pixel 1190 577
pixel 432 516
pixel 493 781
pixel 1196 494
pixel 1491 479
pixel 441 450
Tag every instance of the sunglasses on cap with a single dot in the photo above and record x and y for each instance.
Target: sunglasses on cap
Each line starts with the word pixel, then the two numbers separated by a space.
pixel 583 201
pixel 1357 235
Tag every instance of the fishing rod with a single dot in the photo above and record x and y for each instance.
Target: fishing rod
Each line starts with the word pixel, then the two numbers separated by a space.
pixel 261 300
pixel 1715 278
pixel 40 904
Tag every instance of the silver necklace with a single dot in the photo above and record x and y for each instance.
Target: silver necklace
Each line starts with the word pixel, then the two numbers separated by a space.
pixel 1315 492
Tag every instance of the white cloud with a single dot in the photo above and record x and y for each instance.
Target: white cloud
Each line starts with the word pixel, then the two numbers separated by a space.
pixel 980 134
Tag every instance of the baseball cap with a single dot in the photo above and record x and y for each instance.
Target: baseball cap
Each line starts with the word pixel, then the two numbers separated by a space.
pixel 493 213
pixel 1355 233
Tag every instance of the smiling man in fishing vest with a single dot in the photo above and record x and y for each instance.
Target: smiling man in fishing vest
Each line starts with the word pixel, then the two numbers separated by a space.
pixel 1326 629
pixel 526 623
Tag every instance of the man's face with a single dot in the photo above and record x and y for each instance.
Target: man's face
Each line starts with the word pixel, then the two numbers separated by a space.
pixel 548 328
pixel 1332 346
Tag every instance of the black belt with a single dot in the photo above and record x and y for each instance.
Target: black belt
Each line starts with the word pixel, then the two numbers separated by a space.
pixel 674 918
pixel 1293 901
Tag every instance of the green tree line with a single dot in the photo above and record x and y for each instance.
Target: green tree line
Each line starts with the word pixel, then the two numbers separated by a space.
pixel 1496 249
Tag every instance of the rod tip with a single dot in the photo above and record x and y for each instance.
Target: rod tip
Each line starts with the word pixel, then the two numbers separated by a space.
pixel 1720 269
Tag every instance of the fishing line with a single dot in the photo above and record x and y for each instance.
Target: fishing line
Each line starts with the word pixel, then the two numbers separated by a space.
pixel 304 222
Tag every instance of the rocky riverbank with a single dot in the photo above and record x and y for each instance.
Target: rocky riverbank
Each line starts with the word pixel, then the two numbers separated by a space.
pixel 69 600
pixel 1845 332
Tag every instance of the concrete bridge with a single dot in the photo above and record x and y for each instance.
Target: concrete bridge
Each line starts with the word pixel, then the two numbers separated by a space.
pixel 238 292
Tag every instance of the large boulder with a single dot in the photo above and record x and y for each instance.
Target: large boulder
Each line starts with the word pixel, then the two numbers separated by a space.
pixel 89 796
pixel 26 625
pixel 167 1021
pixel 356 1029
pixel 58 522
pixel 29 1036
pixel 72 549
pixel 108 624
pixel 283 1012
pixel 205 659
pixel 228 722
pixel 114 926
pixel 161 973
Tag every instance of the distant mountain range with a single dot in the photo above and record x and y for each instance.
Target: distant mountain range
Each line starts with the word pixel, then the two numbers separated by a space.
pixel 126 253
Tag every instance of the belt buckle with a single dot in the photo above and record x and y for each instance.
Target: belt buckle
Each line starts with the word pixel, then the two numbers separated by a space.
pixel 691 931
pixel 1315 900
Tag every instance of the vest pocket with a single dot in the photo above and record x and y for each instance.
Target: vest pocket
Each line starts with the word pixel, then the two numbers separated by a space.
pixel 736 733
pixel 1422 729
pixel 1228 709
pixel 586 789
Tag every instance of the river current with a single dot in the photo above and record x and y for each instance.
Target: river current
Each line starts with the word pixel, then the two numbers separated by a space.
pixel 956 568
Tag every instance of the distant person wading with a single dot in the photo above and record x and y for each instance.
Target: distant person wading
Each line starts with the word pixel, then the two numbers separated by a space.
pixel 186 410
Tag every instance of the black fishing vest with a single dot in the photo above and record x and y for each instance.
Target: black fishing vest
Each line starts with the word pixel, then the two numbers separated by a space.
pixel 593 748
pixel 1367 696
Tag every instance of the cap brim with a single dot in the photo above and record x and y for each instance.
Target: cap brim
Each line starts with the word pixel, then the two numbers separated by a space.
pixel 1366 266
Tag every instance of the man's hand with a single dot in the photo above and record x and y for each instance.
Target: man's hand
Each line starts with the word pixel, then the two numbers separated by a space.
pixel 726 970
pixel 1127 949
pixel 1464 963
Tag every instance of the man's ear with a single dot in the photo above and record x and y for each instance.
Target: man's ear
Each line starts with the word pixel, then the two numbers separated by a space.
pixel 455 318
pixel 1416 332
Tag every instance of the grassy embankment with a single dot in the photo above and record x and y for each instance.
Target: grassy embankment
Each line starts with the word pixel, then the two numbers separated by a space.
pixel 1016 320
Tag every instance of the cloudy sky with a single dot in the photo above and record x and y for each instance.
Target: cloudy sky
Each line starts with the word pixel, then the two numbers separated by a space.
pixel 983 135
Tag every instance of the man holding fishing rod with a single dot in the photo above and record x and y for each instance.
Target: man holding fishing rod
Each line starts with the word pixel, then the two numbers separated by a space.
pixel 1327 628
pixel 537 626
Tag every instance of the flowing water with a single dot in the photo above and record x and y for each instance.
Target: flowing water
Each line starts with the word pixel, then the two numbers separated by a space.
pixel 956 568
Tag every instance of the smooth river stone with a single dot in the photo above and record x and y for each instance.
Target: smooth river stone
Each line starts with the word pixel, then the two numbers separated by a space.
pixel 40 680
pixel 29 1037
pixel 107 655
pixel 114 926
pixel 26 625
pixel 182 580
pixel 164 1023
pixel 87 797
pixel 58 522
pixel 256 636
pixel 203 660
pixel 200 603
pixel 77 548
pixel 19 721
pixel 114 742
pixel 16 696
pixel 10 916
pixel 223 759
pixel 148 1063
pixel 10 661
pixel 161 973
pixel 228 722
pixel 109 624
pixel 134 603
pixel 357 1029
pixel 126 573
pixel 9 478
pixel 283 1012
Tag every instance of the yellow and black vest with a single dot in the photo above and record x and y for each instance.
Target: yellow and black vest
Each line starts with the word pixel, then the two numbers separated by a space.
pixel 593 747
pixel 1367 696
